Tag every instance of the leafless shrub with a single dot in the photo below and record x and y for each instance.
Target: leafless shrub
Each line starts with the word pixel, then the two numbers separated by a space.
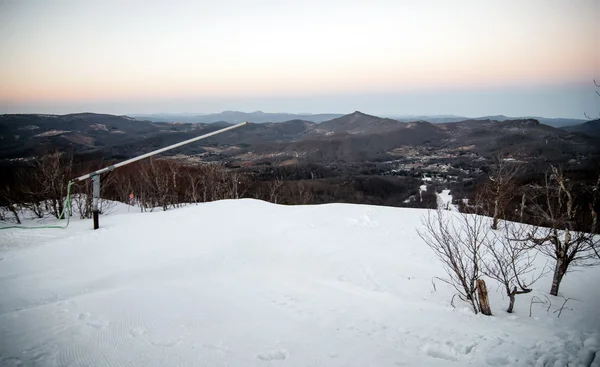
pixel 275 190
pixel 8 203
pixel 562 307
pixel 500 189
pixel 44 187
pixel 169 184
pixel 538 300
pixel 509 262
pixel 562 233
pixel 299 194
pixel 458 244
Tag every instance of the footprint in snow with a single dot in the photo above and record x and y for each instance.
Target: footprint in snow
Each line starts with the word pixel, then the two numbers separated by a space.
pixel 97 324
pixel 497 361
pixel 440 352
pixel 137 331
pixel 279 354
pixel 218 348
pixel 89 321
pixel 165 343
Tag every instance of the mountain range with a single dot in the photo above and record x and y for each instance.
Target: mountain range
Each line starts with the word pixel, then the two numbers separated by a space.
pixel 262 117
pixel 355 137
pixel 234 117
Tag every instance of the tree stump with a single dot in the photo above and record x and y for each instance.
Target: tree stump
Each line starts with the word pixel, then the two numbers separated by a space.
pixel 484 303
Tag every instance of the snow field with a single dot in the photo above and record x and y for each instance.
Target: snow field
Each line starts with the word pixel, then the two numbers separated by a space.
pixel 247 283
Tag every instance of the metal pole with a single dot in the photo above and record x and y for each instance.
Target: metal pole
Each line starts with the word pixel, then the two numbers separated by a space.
pixel 95 199
pixel 95 176
pixel 110 168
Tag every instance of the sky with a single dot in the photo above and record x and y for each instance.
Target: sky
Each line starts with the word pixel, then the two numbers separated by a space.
pixel 396 57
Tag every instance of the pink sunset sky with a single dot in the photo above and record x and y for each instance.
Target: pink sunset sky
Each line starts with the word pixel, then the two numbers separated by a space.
pixel 535 57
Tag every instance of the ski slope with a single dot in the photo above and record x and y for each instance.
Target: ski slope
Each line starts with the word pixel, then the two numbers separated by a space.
pixel 248 283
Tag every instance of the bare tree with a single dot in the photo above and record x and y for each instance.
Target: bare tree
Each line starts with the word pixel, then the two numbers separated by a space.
pixel 47 184
pixel 233 184
pixel 156 184
pixel 500 189
pixel 457 241
pixel 510 262
pixel 81 197
pixel 275 189
pixel 193 186
pixel 561 232
pixel 210 182
pixel 123 183
pixel 593 206
pixel 28 188
pixel 8 200
pixel 299 194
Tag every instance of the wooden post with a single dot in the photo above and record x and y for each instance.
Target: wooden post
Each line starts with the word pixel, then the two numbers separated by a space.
pixel 484 303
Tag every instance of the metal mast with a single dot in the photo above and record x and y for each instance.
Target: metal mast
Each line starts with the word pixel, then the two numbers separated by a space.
pixel 95 176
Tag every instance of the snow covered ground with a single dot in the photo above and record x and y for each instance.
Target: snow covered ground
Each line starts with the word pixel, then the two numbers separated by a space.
pixel 444 200
pixel 247 283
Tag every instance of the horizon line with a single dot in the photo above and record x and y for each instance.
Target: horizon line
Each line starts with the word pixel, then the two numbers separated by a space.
pixel 298 114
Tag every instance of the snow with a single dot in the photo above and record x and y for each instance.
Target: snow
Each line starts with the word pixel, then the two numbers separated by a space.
pixel 444 200
pixel 101 127
pixel 50 133
pixel 247 283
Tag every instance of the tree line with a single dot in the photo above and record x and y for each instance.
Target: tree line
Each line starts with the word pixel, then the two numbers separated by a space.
pixel 39 188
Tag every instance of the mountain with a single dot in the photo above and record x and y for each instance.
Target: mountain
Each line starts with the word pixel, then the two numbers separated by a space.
pixel 262 117
pixel 356 137
pixel 359 123
pixel 437 119
pixel 237 117
pixel 591 128
pixel 559 122
pixel 23 135
pixel 554 122
pixel 523 138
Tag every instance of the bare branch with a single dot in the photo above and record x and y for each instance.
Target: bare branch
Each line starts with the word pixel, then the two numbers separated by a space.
pixel 560 310
pixel 457 243
pixel 559 233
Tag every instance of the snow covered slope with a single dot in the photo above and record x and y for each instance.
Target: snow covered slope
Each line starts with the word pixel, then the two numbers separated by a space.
pixel 247 283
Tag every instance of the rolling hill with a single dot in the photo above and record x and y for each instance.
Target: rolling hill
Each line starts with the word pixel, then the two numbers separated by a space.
pixel 235 117
pixel 356 137
pixel 590 128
